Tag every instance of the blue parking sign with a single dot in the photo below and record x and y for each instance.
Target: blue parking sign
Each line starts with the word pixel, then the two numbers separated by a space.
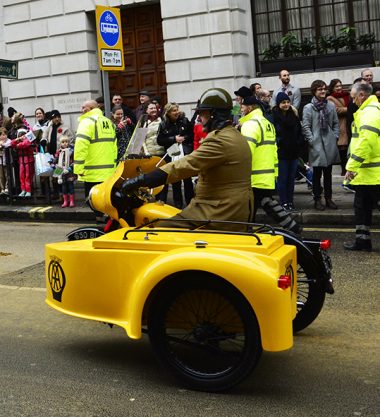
pixel 109 28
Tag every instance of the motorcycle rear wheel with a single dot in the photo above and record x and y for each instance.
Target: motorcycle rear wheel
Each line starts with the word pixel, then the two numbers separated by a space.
pixel 310 292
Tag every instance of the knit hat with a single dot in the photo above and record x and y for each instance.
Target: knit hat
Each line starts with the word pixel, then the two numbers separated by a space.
pixel 21 132
pixel 250 100
pixel 54 113
pixel 243 92
pixel 281 97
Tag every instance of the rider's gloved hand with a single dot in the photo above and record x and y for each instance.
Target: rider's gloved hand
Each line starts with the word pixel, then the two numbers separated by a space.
pixel 150 180
pixel 132 184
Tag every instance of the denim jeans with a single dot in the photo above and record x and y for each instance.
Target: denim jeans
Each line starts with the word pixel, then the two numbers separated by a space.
pixel 287 169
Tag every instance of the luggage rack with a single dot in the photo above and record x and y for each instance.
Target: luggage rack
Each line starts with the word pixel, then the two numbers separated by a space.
pixel 252 228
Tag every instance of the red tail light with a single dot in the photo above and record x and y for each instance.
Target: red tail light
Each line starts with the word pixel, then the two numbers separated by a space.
pixel 325 244
pixel 108 225
pixel 284 282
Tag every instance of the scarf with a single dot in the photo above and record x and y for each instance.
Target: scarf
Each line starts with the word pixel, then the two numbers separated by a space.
pixel 344 95
pixel 64 158
pixel 321 106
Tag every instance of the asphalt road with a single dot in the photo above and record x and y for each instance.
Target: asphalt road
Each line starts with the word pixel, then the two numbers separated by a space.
pixel 54 365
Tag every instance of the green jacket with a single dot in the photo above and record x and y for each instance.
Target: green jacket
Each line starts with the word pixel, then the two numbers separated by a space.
pixel 261 137
pixel 95 151
pixel 364 158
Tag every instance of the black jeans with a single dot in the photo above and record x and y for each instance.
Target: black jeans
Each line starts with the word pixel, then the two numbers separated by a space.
pixel 327 182
pixel 366 198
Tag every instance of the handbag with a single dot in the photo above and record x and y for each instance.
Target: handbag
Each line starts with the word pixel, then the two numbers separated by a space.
pixel 42 162
pixel 178 155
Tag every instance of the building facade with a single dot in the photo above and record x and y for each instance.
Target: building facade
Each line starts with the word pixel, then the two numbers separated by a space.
pixel 175 49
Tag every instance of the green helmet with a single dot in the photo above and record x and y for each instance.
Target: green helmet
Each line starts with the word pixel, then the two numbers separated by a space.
pixel 215 99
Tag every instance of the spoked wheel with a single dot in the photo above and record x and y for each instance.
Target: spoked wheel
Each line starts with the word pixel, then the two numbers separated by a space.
pixel 205 332
pixel 310 293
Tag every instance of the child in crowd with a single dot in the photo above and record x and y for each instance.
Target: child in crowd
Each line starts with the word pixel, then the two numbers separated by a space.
pixel 4 143
pixel 25 154
pixel 64 171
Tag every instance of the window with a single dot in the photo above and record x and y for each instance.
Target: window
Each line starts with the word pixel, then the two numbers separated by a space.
pixel 312 18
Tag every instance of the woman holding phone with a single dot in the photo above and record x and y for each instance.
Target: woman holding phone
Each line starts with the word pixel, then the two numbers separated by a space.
pixel 124 129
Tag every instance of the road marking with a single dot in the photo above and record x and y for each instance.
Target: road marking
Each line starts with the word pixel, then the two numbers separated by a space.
pixel 38 212
pixel 14 287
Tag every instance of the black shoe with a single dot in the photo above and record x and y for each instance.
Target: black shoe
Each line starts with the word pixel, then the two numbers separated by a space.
pixel 358 244
pixel 318 205
pixel 331 204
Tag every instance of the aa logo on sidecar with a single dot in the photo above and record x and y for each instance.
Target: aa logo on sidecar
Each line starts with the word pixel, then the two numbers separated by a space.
pixel 57 279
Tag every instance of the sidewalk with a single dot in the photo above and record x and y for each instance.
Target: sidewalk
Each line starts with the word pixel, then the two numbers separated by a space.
pixel 25 210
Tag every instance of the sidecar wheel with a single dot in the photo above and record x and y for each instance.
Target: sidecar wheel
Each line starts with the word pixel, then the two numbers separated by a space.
pixel 310 293
pixel 205 332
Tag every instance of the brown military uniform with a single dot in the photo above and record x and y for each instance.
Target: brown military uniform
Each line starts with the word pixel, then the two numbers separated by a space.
pixel 223 192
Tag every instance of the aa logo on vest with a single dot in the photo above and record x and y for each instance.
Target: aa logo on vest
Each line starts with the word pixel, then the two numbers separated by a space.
pixel 105 126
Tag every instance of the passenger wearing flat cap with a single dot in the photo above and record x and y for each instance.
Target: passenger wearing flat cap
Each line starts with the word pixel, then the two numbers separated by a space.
pixel 261 137
pixel 144 99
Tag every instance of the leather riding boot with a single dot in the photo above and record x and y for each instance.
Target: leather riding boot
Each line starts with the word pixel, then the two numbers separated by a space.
pixel 359 245
pixel 331 204
pixel 318 205
pixel 72 202
pixel 65 201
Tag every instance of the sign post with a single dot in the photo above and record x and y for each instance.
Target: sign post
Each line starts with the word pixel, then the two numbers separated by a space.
pixel 8 69
pixel 110 46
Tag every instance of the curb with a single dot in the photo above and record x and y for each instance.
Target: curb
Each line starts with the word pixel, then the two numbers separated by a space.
pixel 83 214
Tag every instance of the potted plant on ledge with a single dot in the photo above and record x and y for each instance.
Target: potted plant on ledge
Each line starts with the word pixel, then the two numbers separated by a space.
pixel 344 50
pixel 296 55
pixel 333 51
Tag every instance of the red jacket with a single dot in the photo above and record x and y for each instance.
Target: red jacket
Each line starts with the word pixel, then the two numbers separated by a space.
pixel 198 135
pixel 25 150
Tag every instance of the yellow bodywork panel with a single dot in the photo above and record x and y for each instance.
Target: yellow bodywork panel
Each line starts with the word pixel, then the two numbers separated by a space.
pixel 110 278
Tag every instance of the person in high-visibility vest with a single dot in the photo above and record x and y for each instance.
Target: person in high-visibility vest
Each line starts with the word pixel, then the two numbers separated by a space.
pixel 261 137
pixel 95 150
pixel 363 166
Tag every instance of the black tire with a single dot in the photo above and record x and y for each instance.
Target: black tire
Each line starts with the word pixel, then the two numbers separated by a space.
pixel 310 291
pixel 204 331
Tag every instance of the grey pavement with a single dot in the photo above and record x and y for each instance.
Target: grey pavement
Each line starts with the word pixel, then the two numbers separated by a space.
pixel 38 210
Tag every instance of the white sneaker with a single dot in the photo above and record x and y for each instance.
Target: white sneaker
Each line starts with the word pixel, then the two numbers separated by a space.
pixel 22 194
pixel 28 194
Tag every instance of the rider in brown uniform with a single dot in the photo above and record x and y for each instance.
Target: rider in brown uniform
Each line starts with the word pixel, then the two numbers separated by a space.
pixel 222 163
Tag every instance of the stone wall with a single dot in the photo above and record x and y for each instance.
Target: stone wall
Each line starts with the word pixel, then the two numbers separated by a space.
pixel 207 43
pixel 54 42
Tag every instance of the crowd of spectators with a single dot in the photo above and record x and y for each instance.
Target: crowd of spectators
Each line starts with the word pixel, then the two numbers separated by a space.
pixel 316 135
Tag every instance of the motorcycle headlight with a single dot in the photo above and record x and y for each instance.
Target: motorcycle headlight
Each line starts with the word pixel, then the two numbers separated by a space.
pixel 89 200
